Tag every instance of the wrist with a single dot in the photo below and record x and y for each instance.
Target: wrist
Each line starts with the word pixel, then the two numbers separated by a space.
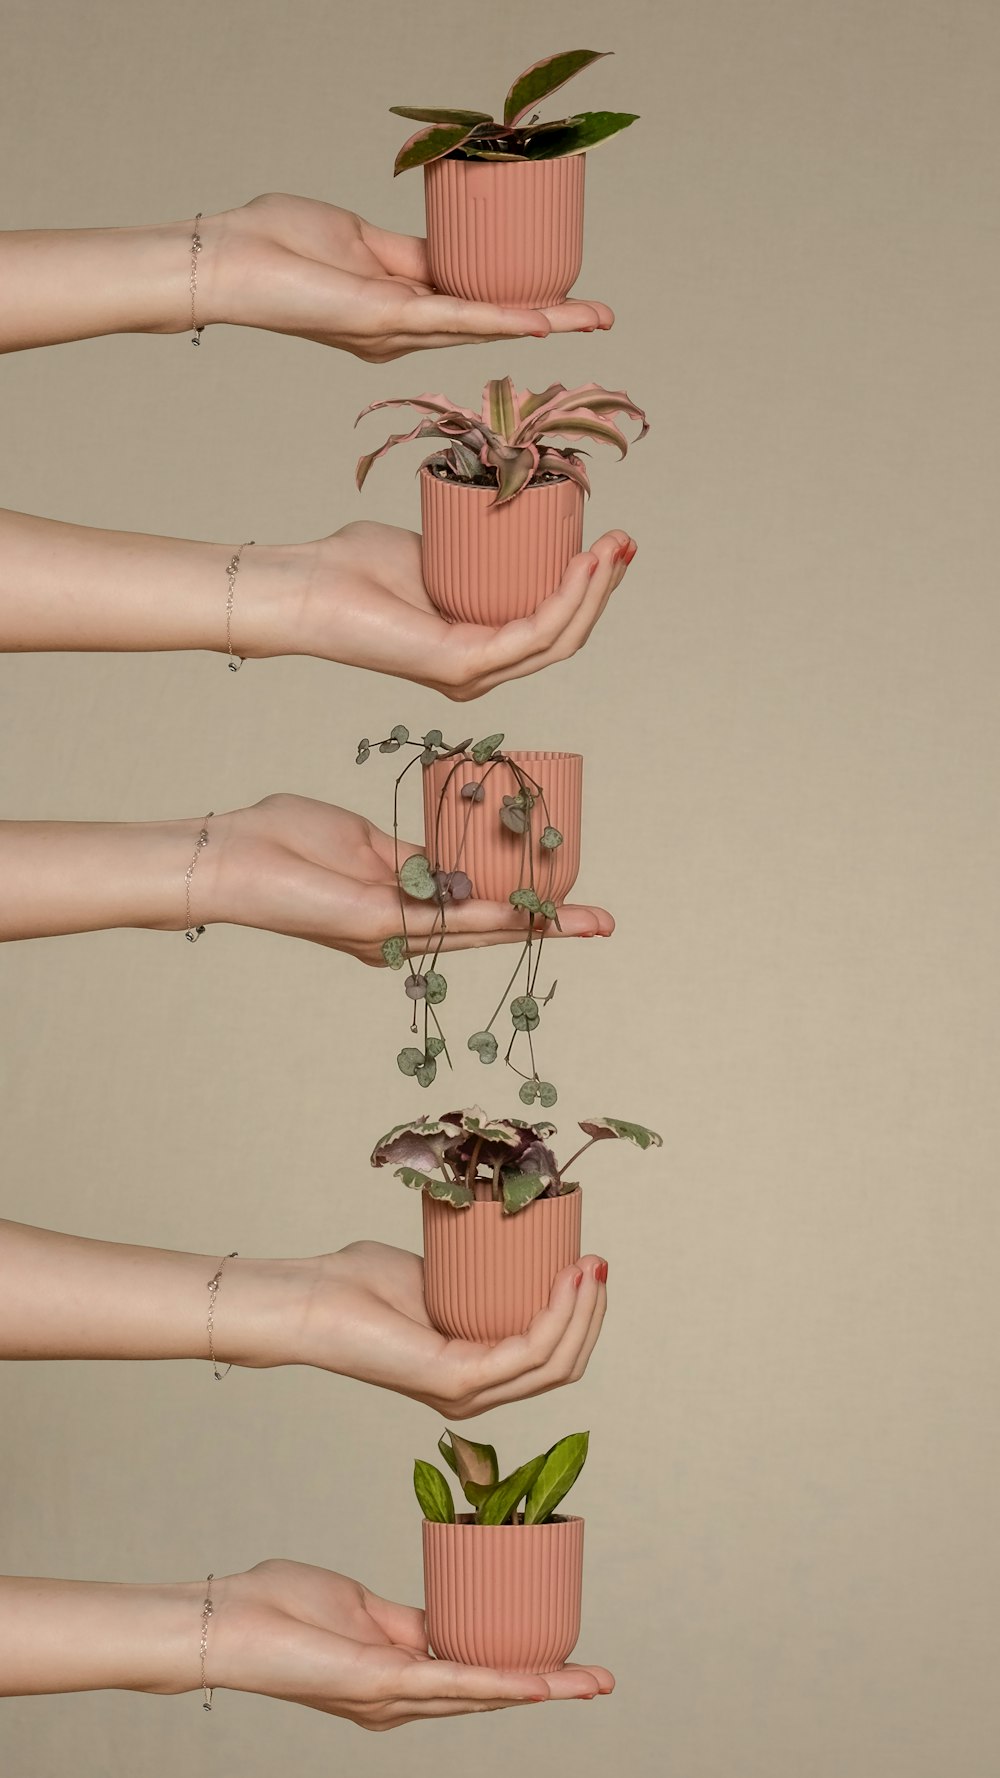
pixel 262 1312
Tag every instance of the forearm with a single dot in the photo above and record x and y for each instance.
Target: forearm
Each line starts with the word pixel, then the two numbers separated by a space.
pixel 62 1296
pixel 76 876
pixel 72 284
pixel 77 1636
pixel 68 587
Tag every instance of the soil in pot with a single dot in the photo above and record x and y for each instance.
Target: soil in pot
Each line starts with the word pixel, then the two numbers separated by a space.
pixel 508 232
pixel 504 1596
pixel 487 1274
pixel 460 834
pixel 488 564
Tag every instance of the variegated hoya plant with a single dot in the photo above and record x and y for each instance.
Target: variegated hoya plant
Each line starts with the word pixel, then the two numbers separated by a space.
pixel 507 445
pixel 466 1156
pixel 542 1483
pixel 475 135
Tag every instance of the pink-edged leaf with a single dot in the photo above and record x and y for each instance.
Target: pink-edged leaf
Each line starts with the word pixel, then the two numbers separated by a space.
pixel 576 135
pixel 515 469
pixel 431 404
pixel 578 426
pixel 430 144
pixel 500 407
pixel 425 429
pixel 590 398
pixel 546 77
pixel 529 403
pixel 428 114
pixel 565 463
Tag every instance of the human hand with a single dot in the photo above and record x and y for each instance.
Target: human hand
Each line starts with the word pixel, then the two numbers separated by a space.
pixel 300 266
pixel 311 870
pixel 365 604
pixel 309 1636
pixel 365 1317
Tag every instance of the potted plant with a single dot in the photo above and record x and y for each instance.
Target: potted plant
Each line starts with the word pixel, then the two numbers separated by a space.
pixel 501 504
pixel 504 200
pixel 502 1583
pixel 496 843
pixel 501 1216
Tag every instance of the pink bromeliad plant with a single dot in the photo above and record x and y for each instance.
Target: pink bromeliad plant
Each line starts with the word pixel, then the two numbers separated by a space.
pixel 507 445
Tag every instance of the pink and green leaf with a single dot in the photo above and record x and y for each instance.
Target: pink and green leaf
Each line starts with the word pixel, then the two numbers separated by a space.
pixel 428 114
pixel 546 77
pixel 579 426
pixel 575 135
pixel 567 463
pixel 431 404
pixel 431 144
pixel 425 429
pixel 500 407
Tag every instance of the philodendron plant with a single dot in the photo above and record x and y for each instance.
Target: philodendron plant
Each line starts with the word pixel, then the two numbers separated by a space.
pixel 465 1156
pixel 541 1484
pixel 507 445
pixel 475 135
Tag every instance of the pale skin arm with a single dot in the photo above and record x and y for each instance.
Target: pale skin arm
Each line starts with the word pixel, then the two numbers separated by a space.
pixel 357 597
pixel 284 1630
pixel 289 864
pixel 358 1313
pixel 283 263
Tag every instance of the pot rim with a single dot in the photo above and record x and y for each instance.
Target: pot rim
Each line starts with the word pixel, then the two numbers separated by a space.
pixel 520 754
pixel 492 1204
pixel 465 1522
pixel 524 160
pixel 442 481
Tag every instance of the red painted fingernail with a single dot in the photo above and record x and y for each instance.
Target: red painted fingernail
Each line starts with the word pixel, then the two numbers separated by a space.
pixel 632 550
pixel 578 1280
pixel 601 1272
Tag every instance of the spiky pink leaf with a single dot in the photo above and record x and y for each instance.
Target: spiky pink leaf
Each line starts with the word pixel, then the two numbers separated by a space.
pixel 589 398
pixel 566 463
pixel 500 407
pixel 432 404
pixel 579 426
pixel 546 77
pixel 425 429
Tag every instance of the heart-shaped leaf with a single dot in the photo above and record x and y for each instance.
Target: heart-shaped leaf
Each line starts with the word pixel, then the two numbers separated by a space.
pixel 524 1012
pixel 559 1471
pixel 550 838
pixel 546 77
pixel 473 792
pixel 514 818
pixel 364 752
pixel 547 1093
pixel 394 952
pixel 409 1060
pixel 433 1493
pixel 484 750
pixel 528 1093
pixel 527 899
pixel 415 986
pixel 484 1044
pixel 550 911
pixel 415 878
pixel 426 1074
pixel 435 1046
pixel 400 733
pixel 435 987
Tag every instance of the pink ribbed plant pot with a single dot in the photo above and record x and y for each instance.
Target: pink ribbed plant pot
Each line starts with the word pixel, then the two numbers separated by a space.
pixel 506 232
pixel 505 1596
pixel 487 564
pixel 462 835
pixel 487 1274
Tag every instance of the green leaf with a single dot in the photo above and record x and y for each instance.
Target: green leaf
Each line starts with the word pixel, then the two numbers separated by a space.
pixel 388 746
pixel 546 77
pixel 601 1128
pixel 427 1072
pixel 527 899
pixel 475 1465
pixel 433 738
pixel 435 987
pixel 556 1477
pixel 450 1191
pixel 503 1501
pixel 551 912
pixel 416 879
pixel 556 141
pixel 394 952
pixel 550 838
pixel 427 114
pixel 517 820
pixel 409 1060
pixel 433 1493
pixel 435 1046
pixel 400 733
pixel 547 1093
pixel 485 1045
pixel 502 405
pixel 364 752
pixel 528 1093
pixel 520 1189
pixel 524 1012
pixel 430 144
pixel 484 750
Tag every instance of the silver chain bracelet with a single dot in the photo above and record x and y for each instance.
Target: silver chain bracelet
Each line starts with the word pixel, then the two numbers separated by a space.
pixel 235 660
pixel 206 1613
pixel 196 246
pixel 213 1291
pixel 194 932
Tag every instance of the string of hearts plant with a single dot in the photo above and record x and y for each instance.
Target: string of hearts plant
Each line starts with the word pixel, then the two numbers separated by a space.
pixel 443 882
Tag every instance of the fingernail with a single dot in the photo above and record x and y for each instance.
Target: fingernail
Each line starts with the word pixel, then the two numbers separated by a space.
pixel 578 1280
pixel 601 1272
pixel 584 1697
pixel 595 564
pixel 632 549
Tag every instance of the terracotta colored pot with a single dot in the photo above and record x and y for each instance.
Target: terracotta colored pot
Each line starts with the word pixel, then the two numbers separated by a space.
pixel 462 835
pixel 506 232
pixel 487 564
pixel 504 1596
pixel 486 1275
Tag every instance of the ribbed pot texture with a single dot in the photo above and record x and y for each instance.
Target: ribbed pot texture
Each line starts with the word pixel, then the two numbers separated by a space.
pixel 486 1274
pixel 487 564
pixel 504 1596
pixel 462 835
pixel 505 231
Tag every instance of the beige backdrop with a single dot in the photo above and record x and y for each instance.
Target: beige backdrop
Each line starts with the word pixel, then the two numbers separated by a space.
pixel 790 721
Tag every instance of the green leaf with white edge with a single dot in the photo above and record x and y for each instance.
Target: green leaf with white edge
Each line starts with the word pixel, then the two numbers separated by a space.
pixel 431 144
pixel 503 1501
pixel 415 878
pixel 409 1060
pixel 520 1189
pixel 428 114
pixel 559 1471
pixel 435 1046
pixel 545 77
pixel 485 749
pixel 550 838
pixel 524 1012
pixel 394 952
pixel 578 134
pixel 601 1128
pixel 494 1129
pixel 426 1074
pixel 433 1493
pixel 527 899
pixel 435 988
pixel 449 1191
pixel 485 1046
pixel 474 1464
